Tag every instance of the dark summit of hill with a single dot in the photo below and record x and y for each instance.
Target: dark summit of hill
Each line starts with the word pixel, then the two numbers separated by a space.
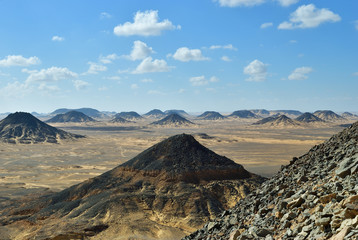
pixel 129 115
pixel 287 112
pixel 72 116
pixel 165 192
pixel 22 127
pixel 94 113
pixel 155 113
pixel 176 111
pixel 211 115
pixel 349 115
pixel 277 121
pixel 261 112
pixel 328 115
pixel 182 157
pixel 173 120
pixel 118 119
pixel 314 197
pixel 308 118
pixel 243 114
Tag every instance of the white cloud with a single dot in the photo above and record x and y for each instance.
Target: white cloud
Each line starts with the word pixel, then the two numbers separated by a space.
pixel 236 3
pixel 150 65
pixel 308 16
pixel 105 15
pixel 257 71
pixel 140 51
pixel 286 3
pixel 57 39
pixel 300 73
pixel 52 74
pixel 226 59
pixel 144 24
pixel 114 78
pixel 266 25
pixel 355 74
pixel 15 89
pixel 80 85
pixel 293 41
pixel 18 60
pixel 182 90
pixel 229 47
pixel 201 80
pixel 94 68
pixel 48 88
pixel 146 80
pixel 185 54
pixel 108 59
pixel 134 86
pixel 102 89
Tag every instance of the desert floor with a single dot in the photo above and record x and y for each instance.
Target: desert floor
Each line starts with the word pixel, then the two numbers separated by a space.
pixel 30 169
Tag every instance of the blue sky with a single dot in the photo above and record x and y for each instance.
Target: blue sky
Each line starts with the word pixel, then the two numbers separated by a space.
pixel 221 55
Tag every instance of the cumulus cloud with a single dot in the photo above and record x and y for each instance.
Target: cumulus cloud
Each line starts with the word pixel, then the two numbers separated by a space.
pixel 236 3
pixel 144 24
pixel 185 54
pixel 48 88
pixel 266 25
pixel 286 3
pixel 149 65
pixel 202 81
pixel 108 59
pixel 95 68
pixel 105 15
pixel 257 71
pixel 18 60
pixel 229 47
pixel 140 51
pixel 300 73
pixel 226 59
pixel 57 39
pixel 15 89
pixel 308 16
pixel 52 74
pixel 80 85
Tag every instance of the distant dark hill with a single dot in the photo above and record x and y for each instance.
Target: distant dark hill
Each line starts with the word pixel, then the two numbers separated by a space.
pixel 349 115
pixel 328 115
pixel 155 113
pixel 22 127
pixel 277 121
pixel 308 118
pixel 211 115
pixel 243 114
pixel 131 116
pixel 94 113
pixel 260 112
pixel 287 112
pixel 173 120
pixel 72 116
pixel 165 192
pixel 118 119
pixel 179 112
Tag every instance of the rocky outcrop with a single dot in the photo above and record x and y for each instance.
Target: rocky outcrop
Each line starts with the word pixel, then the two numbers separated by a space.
pixel 118 119
pixel 328 115
pixel 71 116
pixel 21 127
pixel 173 120
pixel 165 192
pixel 130 116
pixel 155 113
pixel 277 121
pixel 314 197
pixel 243 114
pixel 308 118
pixel 211 115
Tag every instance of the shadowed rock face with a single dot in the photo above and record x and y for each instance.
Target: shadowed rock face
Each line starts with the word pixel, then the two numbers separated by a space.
pixel 277 121
pixel 210 115
pixel 165 192
pixel 22 127
pixel 129 115
pixel 328 115
pixel 118 119
pixel 173 120
pixel 243 114
pixel 72 116
pixel 155 113
pixel 314 197
pixel 308 118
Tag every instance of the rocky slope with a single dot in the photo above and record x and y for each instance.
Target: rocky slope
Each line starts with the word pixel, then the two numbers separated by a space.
pixel 118 119
pixel 155 113
pixel 309 118
pixel 71 116
pixel 314 197
pixel 165 192
pixel 328 115
pixel 21 127
pixel 94 113
pixel 277 121
pixel 130 116
pixel 173 120
pixel 211 115
pixel 243 114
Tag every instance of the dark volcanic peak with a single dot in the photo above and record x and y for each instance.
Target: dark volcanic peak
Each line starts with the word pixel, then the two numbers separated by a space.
pixel 288 112
pixel 182 157
pixel 22 127
pixel 87 111
pixel 277 121
pixel 72 116
pixel 308 118
pixel 261 112
pixel 155 113
pixel 211 115
pixel 129 115
pixel 173 120
pixel 118 119
pixel 328 115
pixel 314 197
pixel 179 112
pixel 243 114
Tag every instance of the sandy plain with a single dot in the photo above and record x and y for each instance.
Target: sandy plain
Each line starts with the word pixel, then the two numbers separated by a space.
pixel 40 168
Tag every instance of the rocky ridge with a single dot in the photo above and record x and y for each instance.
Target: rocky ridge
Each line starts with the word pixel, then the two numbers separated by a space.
pixel 277 121
pixel 155 113
pixel 211 115
pixel 314 197
pixel 71 116
pixel 130 116
pixel 328 115
pixel 165 192
pixel 308 118
pixel 243 114
pixel 173 120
